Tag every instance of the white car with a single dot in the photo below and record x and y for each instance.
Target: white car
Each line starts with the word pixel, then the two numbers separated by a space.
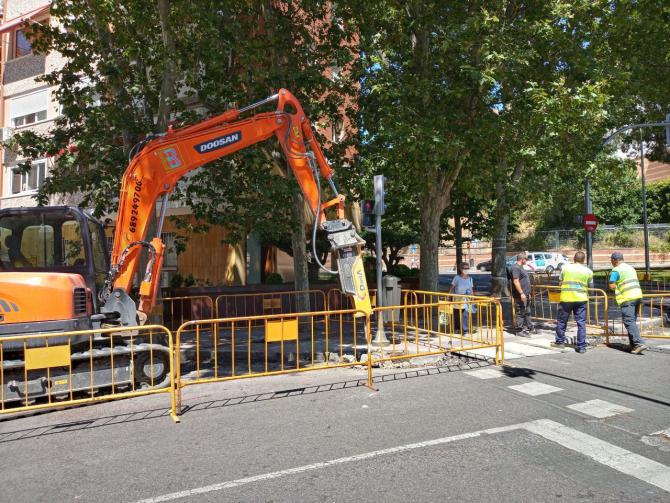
pixel 546 261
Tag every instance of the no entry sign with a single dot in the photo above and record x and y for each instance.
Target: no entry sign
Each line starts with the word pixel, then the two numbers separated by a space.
pixel 590 222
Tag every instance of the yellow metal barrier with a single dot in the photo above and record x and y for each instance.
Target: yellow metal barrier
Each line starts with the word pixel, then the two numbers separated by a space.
pixel 254 346
pixel 336 299
pixel 436 328
pixel 653 318
pixel 245 305
pixel 178 310
pixel 545 304
pixel 47 370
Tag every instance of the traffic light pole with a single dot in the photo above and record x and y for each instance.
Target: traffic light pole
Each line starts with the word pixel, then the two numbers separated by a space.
pixel 380 338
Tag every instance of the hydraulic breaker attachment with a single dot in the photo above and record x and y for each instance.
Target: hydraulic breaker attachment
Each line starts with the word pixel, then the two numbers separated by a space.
pixel 347 243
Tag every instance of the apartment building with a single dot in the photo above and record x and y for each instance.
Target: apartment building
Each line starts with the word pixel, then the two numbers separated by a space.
pixel 24 103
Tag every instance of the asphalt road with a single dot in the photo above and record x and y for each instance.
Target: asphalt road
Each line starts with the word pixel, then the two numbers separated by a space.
pixel 426 435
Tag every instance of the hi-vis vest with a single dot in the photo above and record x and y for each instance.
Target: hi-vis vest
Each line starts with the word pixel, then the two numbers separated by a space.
pixel 575 284
pixel 627 286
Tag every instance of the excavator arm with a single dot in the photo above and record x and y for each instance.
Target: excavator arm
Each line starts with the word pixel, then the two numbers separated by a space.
pixel 160 161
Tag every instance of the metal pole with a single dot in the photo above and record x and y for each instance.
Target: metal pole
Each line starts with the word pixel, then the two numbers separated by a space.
pixel 380 338
pixel 587 210
pixel 647 274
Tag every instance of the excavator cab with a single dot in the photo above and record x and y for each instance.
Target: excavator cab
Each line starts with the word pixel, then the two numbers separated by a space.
pixel 57 239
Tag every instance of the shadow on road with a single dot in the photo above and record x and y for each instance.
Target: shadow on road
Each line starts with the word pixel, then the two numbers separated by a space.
pixel 150 414
pixel 531 373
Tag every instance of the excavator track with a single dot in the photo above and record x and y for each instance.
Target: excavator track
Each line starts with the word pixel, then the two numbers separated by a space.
pixel 119 369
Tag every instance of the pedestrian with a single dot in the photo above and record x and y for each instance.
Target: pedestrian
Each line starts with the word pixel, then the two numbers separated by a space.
pixel 574 284
pixel 462 285
pixel 626 287
pixel 521 292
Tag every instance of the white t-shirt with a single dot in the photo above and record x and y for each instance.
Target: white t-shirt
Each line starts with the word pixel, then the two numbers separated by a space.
pixel 462 285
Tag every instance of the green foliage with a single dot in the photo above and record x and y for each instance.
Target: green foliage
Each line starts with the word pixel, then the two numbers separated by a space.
pixel 615 195
pixel 402 271
pixel 274 278
pixel 124 64
pixel 658 202
pixel 179 281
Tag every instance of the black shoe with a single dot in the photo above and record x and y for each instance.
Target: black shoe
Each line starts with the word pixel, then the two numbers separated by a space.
pixel 637 349
pixel 557 345
pixel 580 350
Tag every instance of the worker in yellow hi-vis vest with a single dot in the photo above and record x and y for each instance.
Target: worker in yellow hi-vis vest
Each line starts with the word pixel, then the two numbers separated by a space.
pixel 575 280
pixel 628 293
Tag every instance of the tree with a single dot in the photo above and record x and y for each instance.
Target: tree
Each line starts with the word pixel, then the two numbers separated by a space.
pixel 658 195
pixel 124 79
pixel 550 100
pixel 421 104
pixel 615 196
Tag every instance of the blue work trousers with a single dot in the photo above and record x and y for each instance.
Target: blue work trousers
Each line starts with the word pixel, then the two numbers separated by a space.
pixel 629 316
pixel 461 319
pixel 564 311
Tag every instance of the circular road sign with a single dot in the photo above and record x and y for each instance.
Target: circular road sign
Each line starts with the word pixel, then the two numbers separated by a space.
pixel 590 222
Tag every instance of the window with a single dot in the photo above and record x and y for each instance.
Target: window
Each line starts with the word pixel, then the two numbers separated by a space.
pixel 22 45
pixel 33 180
pixel 548 256
pixel 48 241
pixel 170 257
pixel 29 108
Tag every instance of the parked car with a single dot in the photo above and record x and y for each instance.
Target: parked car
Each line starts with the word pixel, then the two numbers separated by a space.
pixel 546 261
pixel 486 265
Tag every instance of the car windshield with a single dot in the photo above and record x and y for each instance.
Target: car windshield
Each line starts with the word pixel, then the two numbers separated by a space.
pixel 41 242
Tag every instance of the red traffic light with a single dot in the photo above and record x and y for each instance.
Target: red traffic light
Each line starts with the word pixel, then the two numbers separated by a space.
pixel 367 206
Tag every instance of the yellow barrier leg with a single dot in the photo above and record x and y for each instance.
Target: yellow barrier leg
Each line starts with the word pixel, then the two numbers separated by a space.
pixel 369 338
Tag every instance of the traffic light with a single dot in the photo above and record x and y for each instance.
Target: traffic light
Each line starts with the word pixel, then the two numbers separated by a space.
pixel 367 213
pixel 380 193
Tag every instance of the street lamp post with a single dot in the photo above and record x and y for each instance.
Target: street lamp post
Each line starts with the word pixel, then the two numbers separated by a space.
pixel 645 224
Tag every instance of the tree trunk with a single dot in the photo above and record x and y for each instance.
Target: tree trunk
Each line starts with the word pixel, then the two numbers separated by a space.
pixel 458 240
pixel 169 76
pixel 432 207
pixel 499 286
pixel 299 246
pixel 499 283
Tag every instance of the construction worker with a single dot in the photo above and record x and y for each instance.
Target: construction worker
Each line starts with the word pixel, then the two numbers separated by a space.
pixel 626 287
pixel 574 283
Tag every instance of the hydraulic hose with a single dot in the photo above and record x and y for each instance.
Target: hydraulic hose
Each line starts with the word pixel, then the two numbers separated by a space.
pixel 315 172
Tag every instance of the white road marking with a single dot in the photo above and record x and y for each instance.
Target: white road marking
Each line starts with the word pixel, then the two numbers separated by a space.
pixel 598 450
pixel 535 388
pixel 637 466
pixel 599 408
pixel 485 373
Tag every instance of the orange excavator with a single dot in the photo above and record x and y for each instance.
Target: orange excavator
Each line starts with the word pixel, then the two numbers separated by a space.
pixel 56 274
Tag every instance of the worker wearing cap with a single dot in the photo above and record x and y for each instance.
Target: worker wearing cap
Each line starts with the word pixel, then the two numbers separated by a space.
pixel 575 280
pixel 624 282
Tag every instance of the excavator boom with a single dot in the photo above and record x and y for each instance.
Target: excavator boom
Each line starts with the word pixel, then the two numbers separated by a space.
pixel 161 161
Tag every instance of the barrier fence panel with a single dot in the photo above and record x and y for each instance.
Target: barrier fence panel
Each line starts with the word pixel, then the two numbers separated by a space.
pixel 545 300
pixel 45 370
pixel 253 346
pixel 336 299
pixel 653 318
pixel 178 310
pixel 268 303
pixel 448 322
